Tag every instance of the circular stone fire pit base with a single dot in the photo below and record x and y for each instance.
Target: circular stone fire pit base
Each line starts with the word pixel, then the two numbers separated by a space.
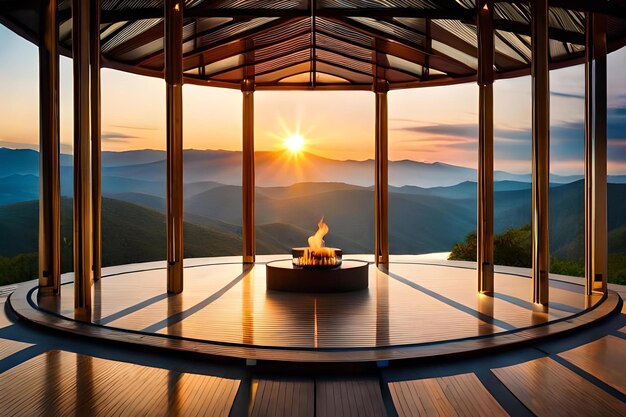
pixel 349 276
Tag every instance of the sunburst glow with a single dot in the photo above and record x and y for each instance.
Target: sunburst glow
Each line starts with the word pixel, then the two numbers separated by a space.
pixel 294 143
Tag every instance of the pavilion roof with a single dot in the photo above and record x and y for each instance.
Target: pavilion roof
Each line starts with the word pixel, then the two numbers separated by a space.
pixel 334 44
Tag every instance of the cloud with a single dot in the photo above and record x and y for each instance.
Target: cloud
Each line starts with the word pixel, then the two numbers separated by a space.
pixel 117 137
pixel 134 127
pixel 567 95
pixel 566 138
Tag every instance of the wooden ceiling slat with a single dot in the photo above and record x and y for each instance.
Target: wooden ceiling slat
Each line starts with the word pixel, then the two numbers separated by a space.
pixel 437 61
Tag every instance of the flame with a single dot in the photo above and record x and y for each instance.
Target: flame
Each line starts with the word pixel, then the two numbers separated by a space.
pixel 316 253
pixel 316 242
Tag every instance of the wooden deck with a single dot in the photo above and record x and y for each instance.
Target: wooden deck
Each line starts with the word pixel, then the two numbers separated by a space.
pixel 458 395
pixel 357 397
pixel 59 383
pixel 589 381
pixel 349 398
pixel 604 358
pixel 225 310
pixel 549 389
pixel 9 347
pixel 283 398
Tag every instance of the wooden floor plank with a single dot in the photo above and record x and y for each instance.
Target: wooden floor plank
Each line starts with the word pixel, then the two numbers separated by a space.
pixel 458 395
pixel 63 383
pixel 549 389
pixel 276 398
pixel 9 347
pixel 604 358
pixel 354 397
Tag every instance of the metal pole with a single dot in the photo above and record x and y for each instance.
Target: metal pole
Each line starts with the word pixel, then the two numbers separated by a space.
pixel 540 151
pixel 247 88
pixel 82 156
pixel 96 139
pixel 381 185
pixel 174 97
pixel 49 176
pixel 596 243
pixel 484 234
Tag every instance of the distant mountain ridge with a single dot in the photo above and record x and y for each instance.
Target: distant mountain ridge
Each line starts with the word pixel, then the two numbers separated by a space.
pixel 286 216
pixel 273 169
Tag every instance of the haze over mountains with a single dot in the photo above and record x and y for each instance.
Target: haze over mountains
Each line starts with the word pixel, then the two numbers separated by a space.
pixel 436 209
pixel 145 170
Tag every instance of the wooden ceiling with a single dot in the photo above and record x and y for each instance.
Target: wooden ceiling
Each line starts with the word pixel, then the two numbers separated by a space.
pixel 327 44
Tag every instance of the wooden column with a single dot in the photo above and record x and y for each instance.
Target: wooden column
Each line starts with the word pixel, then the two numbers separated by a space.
pixel 381 182
pixel 49 177
pixel 596 243
pixel 174 97
pixel 247 88
pixel 540 150
pixel 83 277
pixel 96 138
pixel 484 223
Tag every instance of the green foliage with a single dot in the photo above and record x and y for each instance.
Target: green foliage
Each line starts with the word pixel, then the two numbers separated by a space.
pixel 617 268
pixel 512 248
pixel 464 251
pixel 573 268
pixel 22 267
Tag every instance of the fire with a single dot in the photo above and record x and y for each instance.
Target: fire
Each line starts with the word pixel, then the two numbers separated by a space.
pixel 316 254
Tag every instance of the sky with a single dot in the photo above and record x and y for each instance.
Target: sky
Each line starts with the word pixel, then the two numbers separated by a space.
pixel 435 124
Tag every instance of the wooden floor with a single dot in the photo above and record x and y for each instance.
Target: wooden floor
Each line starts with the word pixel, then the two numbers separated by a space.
pixel 585 379
pixel 228 303
pixel 358 397
pixel 59 383
pixel 283 398
pixel 458 395
pixel 9 347
pixel 549 389
pixel 604 358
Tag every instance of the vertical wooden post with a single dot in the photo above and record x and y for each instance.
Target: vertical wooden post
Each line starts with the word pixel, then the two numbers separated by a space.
pixel 174 97
pixel 596 243
pixel 381 182
pixel 49 176
pixel 247 88
pixel 83 276
pixel 540 151
pixel 96 147
pixel 484 223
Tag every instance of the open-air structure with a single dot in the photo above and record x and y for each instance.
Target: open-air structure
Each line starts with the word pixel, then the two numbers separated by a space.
pixel 375 46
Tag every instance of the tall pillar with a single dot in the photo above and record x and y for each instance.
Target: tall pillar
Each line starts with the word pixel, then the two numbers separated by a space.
pixel 96 138
pixel 540 150
pixel 247 88
pixel 381 182
pixel 49 177
pixel 484 222
pixel 174 97
pixel 596 243
pixel 83 277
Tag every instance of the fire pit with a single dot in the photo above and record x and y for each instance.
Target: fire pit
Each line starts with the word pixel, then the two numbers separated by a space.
pixel 317 269
pixel 321 259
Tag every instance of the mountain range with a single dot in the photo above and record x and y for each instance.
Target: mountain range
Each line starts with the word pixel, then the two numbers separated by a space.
pixel 131 171
pixel 422 218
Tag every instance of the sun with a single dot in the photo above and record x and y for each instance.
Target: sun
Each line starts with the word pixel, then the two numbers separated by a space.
pixel 294 143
